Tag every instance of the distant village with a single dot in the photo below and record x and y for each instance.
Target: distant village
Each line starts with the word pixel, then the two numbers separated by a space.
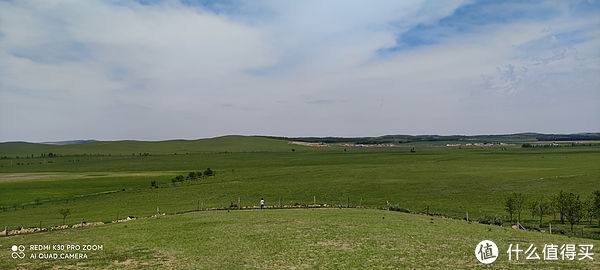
pixel 379 145
pixel 368 145
pixel 477 144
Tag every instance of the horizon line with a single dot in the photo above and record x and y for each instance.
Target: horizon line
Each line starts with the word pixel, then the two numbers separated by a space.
pixel 295 137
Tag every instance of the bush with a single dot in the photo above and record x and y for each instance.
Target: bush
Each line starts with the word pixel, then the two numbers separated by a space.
pixel 191 176
pixel 526 145
pixel 153 184
pixel 178 178
pixel 208 172
pixel 485 220
pixel 498 220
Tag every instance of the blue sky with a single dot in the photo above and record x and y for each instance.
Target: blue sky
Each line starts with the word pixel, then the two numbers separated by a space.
pixel 154 70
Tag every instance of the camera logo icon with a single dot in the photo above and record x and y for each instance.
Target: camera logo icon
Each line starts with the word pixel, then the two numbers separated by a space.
pixel 18 252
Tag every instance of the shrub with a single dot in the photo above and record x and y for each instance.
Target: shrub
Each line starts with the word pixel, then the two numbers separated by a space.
pixel 485 220
pixel 192 176
pixel 498 220
pixel 232 205
pixel 176 179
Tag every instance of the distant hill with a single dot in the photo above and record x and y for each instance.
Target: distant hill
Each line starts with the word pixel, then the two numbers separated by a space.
pixel 235 143
pixel 518 137
pixel 218 144
pixel 69 142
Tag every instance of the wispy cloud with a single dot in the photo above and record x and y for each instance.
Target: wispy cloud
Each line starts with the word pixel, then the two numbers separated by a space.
pixel 156 69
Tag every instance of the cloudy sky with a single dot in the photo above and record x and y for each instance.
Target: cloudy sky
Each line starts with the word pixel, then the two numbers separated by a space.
pixel 152 70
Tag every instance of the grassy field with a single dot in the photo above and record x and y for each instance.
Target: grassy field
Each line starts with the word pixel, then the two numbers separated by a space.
pixel 297 239
pixel 231 143
pixel 109 181
pixel 449 180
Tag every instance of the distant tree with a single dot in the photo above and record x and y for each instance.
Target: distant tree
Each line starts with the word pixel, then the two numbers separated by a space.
pixel 573 209
pixel 509 205
pixel 176 179
pixel 595 205
pixel 412 150
pixel 154 184
pixel 199 174
pixel 208 172
pixel 526 145
pixel 293 150
pixel 64 212
pixel 191 176
pixel 519 203
pixel 559 204
pixel 588 209
pixel 540 208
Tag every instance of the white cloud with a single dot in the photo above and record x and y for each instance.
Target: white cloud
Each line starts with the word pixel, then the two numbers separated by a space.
pixel 90 69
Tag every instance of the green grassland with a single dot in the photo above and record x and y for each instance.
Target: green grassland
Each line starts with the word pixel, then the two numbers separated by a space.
pixel 104 181
pixel 296 239
pixel 231 143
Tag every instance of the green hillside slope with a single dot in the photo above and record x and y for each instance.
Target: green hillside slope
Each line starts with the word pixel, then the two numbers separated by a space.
pixel 232 143
pixel 290 239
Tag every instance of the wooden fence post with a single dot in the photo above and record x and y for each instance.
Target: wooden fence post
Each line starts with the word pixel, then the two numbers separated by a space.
pixel 314 200
pixel 550 227
pixel 348 203
pixel 360 203
pixel 239 203
pixel 467 216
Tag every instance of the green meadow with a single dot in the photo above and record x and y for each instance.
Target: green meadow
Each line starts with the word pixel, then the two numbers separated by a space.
pixel 289 238
pixel 105 181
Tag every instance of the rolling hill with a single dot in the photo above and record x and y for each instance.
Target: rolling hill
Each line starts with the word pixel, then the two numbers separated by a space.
pixel 231 143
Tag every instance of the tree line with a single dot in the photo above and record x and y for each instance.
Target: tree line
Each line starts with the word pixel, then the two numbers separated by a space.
pixel 191 176
pixel 569 206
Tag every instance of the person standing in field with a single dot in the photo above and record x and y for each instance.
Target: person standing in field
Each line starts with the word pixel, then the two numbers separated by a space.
pixel 262 204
